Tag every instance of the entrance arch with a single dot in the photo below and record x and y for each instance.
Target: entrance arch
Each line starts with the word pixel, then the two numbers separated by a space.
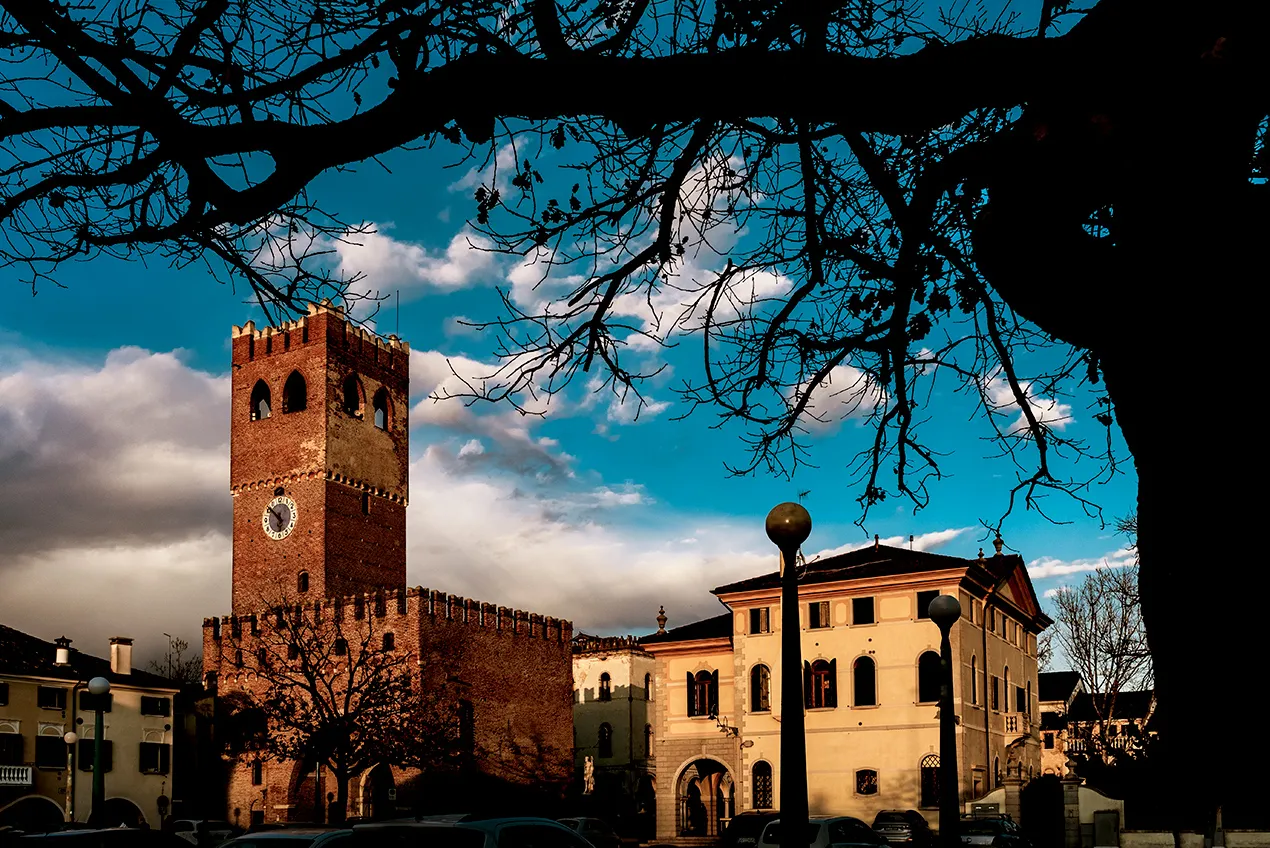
pixel 119 812
pixel 32 814
pixel 378 793
pixel 706 792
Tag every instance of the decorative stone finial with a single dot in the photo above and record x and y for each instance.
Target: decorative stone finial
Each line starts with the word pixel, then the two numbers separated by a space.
pixel 981 554
pixel 997 543
pixel 661 619
pixel 877 542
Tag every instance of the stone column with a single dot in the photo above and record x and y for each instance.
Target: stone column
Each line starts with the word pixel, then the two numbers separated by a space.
pixel 1013 785
pixel 1071 807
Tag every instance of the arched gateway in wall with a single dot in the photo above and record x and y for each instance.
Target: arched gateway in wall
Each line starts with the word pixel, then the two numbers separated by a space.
pixel 707 794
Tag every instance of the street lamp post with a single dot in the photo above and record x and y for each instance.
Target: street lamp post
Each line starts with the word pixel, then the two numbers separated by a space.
pixel 788 526
pixel 70 737
pixel 98 687
pixel 945 610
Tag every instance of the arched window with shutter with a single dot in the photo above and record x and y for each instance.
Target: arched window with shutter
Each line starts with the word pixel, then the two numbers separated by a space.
pixel 761 781
pixel 820 684
pixel 865 682
pixel 1006 689
pixel 928 677
pixel 606 687
pixel 648 687
pixel 760 689
pixel 703 693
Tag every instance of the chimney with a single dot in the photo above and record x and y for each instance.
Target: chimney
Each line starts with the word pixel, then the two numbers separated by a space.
pixel 120 655
pixel 62 656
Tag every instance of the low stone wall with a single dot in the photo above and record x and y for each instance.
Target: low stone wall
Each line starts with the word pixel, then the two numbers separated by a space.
pixel 1164 839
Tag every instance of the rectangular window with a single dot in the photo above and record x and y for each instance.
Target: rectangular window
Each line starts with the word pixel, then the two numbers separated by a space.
pixel 84 755
pixel 4 694
pixel 156 758
pixel 1020 699
pixel 818 615
pixel 50 752
pixel 996 692
pixel 923 602
pixel 90 703
pixel 862 611
pixel 156 706
pixel 1049 741
pixel 760 620
pixel 10 749
pixel 257 773
pixel 51 698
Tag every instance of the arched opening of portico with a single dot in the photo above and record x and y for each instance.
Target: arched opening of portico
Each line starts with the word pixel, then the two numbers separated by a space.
pixel 706 794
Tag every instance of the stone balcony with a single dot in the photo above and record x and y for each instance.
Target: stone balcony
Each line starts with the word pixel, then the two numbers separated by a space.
pixel 17 776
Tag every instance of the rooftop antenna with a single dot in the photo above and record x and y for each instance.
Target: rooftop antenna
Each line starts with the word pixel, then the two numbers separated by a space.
pixel 910 541
pixel 397 332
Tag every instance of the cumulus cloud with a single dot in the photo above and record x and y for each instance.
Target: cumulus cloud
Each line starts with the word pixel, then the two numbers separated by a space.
pixel 387 264
pixel 1047 410
pixel 1043 567
pixel 845 393
pixel 1053 593
pixel 496 173
pixel 931 541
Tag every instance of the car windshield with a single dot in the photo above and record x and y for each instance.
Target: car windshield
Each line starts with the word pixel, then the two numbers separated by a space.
pixel 890 818
pixel 851 830
pixel 772 835
pixel 746 826
pixel 983 827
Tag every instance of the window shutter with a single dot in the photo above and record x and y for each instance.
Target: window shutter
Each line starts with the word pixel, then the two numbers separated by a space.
pixel 807 684
pixel 165 758
pixel 692 695
pixel 714 692
pixel 831 696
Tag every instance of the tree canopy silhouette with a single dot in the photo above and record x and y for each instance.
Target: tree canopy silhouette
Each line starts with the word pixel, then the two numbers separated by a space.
pixel 842 200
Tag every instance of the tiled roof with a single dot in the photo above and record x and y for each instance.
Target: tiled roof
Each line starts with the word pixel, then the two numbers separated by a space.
pixel 1056 685
pixel 22 654
pixel 872 561
pixel 709 628
pixel 1127 705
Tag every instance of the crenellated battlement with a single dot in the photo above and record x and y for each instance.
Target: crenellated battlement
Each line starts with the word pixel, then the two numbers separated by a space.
pixel 405 602
pixel 324 322
pixel 587 644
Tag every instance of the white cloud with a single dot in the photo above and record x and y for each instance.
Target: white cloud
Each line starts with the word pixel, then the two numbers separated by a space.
pixel 504 164
pixel 1053 593
pixel 472 447
pixel 1049 411
pixel 387 264
pixel 932 541
pixel 846 393
pixel 1043 567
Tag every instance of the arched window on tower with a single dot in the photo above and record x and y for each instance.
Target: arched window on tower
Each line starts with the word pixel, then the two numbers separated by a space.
pixel 383 409
pixel 864 674
pixel 606 740
pixel 390 642
pixel 760 689
pixel 261 401
pixel 1006 689
pixel 648 741
pixel 295 394
pixel 974 680
pixel 302 582
pixel 467 727
pixel 606 687
pixel 352 396
pixel 762 783
pixel 928 674
pixel 648 687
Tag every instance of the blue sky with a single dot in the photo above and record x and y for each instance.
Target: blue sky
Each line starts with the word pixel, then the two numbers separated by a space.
pixel 114 452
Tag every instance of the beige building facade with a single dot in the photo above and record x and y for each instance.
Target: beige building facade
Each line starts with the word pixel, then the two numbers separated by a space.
pixel 43 780
pixel 871 687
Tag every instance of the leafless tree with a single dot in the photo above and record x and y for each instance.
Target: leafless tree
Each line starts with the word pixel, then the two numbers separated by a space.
pixel 336 690
pixel 847 204
pixel 1098 627
pixel 175 665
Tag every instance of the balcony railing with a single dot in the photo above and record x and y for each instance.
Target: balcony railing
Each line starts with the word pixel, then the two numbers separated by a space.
pixel 17 776
pixel 1020 723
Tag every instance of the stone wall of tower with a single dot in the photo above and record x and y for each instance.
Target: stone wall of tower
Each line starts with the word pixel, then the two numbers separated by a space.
pixel 515 668
pixel 348 476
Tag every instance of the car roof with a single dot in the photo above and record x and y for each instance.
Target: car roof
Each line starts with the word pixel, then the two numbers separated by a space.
pixel 469 823
pixel 288 832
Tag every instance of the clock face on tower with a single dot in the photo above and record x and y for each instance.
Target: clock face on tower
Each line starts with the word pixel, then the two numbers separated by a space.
pixel 279 517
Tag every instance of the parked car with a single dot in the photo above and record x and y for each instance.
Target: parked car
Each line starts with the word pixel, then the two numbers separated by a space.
pixel 188 829
pixel 113 837
pixel 904 827
pixel 520 832
pixel 996 831
pixel 827 831
pixel 745 828
pixel 294 837
pixel 595 831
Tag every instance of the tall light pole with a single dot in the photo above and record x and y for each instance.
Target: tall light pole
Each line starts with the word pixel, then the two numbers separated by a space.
pixel 788 526
pixel 944 611
pixel 99 688
pixel 71 739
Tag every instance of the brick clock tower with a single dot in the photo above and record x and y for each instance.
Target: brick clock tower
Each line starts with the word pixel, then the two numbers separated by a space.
pixel 319 461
